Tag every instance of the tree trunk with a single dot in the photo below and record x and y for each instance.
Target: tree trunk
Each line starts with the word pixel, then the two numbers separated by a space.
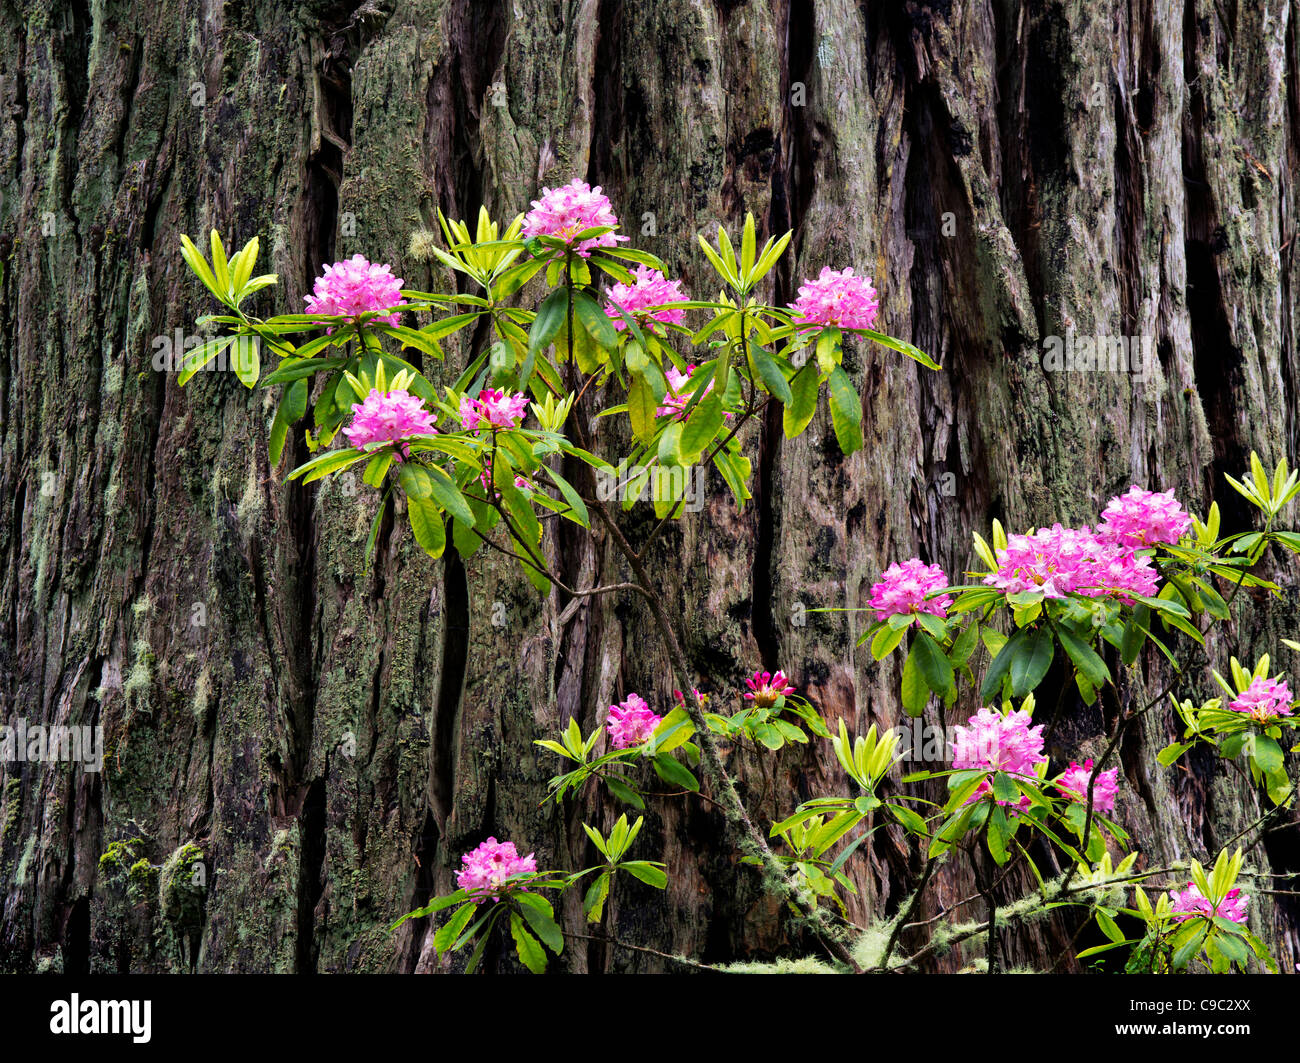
pixel 297 750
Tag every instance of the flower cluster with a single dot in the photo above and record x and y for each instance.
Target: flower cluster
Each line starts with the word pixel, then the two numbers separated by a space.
pixel 388 417
pixel 496 409
pixel 836 298
pixel 1058 561
pixel 354 287
pixel 1073 783
pixel 486 868
pixel 1264 700
pixel 903 588
pixel 649 288
pixel 1189 903
pixel 992 742
pixel 566 211
pixel 1142 518
pixel 630 723
pixel 766 687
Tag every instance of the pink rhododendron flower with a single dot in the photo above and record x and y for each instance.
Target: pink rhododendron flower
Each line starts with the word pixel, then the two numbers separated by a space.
pixel 354 287
pixel 1188 903
pixel 650 288
pixel 630 723
pixel 498 409
pixel 389 417
pixel 1074 784
pixel 1060 561
pixel 766 687
pixel 993 742
pixel 1264 700
pixel 570 209
pixel 1141 518
pixel 701 697
pixel 836 298
pixel 486 868
pixel 903 588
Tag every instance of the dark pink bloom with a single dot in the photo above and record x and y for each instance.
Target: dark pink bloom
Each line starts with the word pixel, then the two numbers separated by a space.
pixel 354 287
pixel 766 687
pixel 492 408
pixel 388 417
pixel 486 868
pixel 630 723
pixel 1073 783
pixel 1264 700
pixel 1142 518
pixel 1058 561
pixel 1189 903
pixel 903 588
pixel 649 289
pixel 571 209
pixel 836 298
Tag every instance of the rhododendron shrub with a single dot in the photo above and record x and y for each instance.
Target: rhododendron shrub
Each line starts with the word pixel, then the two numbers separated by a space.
pixel 582 357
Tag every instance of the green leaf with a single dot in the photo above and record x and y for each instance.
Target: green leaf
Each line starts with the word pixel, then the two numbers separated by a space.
pixel 220 268
pixel 448 496
pixel 771 374
pixel 702 427
pixel 846 411
pixel 1108 927
pixel 1172 752
pixel 451 930
pixel 292 408
pixel 530 950
pixel 641 407
pixel 1030 661
pixel 594 901
pixel 199 266
pixel 1135 633
pixel 427 525
pixel 594 319
pixel 1268 755
pixel 999 834
pixel 915 691
pixel 540 917
pixel 646 872
pixel 244 361
pixel 1001 664
pixel 803 401
pixel 935 667
pixel 902 347
pixel 670 445
pixel 886 640
pixel 201 356
pixel 673 772
pixel 624 792
pixel 1085 659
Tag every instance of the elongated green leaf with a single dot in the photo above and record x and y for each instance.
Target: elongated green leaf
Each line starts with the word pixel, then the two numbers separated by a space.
pixel 771 374
pixel 292 408
pixel 1031 660
pixel 427 525
pixel 531 953
pixel 846 411
pixel 935 667
pixel 799 410
pixel 1085 658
